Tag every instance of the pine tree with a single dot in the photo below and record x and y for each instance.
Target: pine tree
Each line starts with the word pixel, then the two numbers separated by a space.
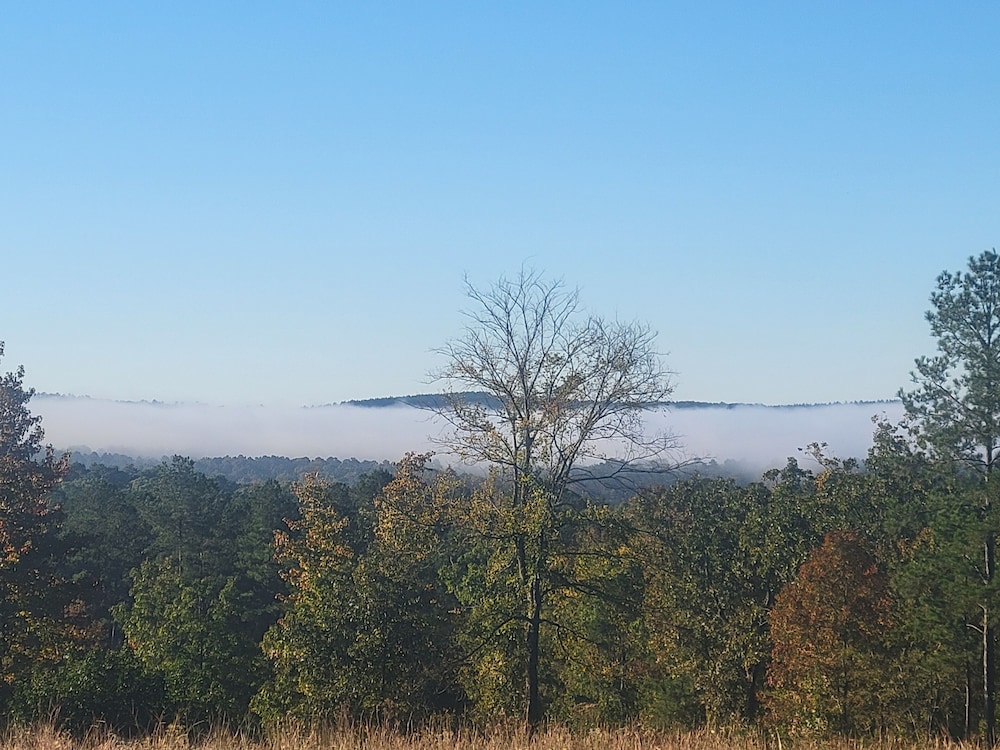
pixel 31 613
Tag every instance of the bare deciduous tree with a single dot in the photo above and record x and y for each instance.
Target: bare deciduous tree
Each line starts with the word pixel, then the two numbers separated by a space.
pixel 537 389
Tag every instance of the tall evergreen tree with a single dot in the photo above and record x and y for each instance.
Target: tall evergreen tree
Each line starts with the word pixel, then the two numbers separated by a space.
pixel 954 412
pixel 31 614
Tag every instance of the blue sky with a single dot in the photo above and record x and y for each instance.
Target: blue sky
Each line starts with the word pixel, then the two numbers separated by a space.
pixel 276 203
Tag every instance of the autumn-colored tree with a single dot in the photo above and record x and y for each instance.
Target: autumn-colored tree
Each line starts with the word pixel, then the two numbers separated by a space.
pixel 33 623
pixel 829 629
pixel 714 555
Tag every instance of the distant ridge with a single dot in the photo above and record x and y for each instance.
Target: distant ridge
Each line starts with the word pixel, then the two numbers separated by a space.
pixel 439 400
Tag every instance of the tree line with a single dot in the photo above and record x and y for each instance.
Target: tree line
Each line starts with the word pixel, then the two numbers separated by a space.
pixel 830 596
pixel 245 469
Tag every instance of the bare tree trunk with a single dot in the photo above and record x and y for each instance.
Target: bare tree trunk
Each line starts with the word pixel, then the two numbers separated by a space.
pixel 968 700
pixel 534 701
pixel 989 681
pixel 535 711
pixel 989 654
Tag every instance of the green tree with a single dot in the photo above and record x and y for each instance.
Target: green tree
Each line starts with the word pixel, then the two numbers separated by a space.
pixel 596 645
pixel 313 674
pixel 413 541
pixel 367 623
pixel 954 414
pixel 254 514
pixel 929 525
pixel 938 590
pixel 33 625
pixel 592 588
pixel 714 556
pixel 196 612
pixel 103 538
pixel 552 390
pixel 185 511
pixel 189 631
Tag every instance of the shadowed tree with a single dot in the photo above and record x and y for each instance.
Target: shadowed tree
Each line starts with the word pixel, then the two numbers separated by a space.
pixel 29 611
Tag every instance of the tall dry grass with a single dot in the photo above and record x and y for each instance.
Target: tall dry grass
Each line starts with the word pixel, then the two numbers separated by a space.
pixel 48 737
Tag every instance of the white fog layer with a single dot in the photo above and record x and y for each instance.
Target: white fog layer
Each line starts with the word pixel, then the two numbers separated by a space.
pixel 759 436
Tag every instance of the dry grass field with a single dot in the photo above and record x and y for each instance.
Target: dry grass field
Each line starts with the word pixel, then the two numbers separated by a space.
pixel 49 738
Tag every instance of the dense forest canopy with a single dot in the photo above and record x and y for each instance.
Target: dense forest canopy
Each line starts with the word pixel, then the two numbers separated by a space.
pixel 835 596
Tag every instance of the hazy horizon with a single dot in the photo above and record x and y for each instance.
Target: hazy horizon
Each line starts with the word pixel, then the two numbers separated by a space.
pixel 754 435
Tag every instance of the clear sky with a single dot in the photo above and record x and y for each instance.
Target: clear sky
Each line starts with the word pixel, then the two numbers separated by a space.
pixel 275 203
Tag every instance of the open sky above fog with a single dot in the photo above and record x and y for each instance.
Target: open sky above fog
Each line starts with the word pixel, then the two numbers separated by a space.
pixel 275 203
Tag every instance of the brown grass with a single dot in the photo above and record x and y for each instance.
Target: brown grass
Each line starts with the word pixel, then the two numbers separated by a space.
pixel 171 738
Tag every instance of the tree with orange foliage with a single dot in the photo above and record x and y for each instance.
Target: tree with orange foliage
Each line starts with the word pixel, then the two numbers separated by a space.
pixel 829 631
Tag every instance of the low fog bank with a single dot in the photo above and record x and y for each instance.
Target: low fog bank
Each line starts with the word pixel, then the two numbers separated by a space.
pixel 152 430
pixel 757 437
pixel 763 437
